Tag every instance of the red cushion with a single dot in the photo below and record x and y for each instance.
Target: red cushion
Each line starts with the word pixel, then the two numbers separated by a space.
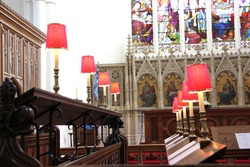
pixel 151 162
pixel 132 162
pixel 241 161
pixel 222 161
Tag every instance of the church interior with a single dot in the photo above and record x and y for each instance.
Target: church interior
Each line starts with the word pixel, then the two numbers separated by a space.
pixel 169 86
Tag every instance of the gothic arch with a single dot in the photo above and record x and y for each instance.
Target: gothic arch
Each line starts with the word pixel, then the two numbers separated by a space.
pixel 226 65
pixel 146 68
pixel 172 68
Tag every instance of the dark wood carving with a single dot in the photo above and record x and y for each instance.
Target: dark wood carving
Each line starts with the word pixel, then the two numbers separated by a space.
pixel 14 122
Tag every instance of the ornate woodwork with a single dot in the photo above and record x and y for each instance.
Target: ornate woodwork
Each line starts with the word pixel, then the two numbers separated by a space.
pixel 14 121
pixel 160 124
pixel 20 45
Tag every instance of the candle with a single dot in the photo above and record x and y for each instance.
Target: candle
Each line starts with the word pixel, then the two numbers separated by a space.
pixel 76 93
pixel 180 115
pixel 201 101
pixel 56 59
pixel 88 79
pixel 191 109
pixel 104 90
pixel 115 97
pixel 184 112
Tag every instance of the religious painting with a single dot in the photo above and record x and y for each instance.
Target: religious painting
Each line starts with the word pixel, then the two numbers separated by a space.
pixel 247 88
pixel 245 19
pixel 147 92
pixel 226 88
pixel 222 20
pixel 142 21
pixel 168 21
pixel 195 21
pixel 170 88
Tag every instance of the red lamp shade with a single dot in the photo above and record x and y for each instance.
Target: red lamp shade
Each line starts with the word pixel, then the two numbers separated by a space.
pixel 56 36
pixel 103 79
pixel 198 78
pixel 186 96
pixel 180 100
pixel 88 64
pixel 114 88
pixel 176 106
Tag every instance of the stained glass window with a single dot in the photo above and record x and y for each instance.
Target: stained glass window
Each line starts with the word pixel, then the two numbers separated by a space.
pixel 195 21
pixel 142 21
pixel 168 21
pixel 245 19
pixel 222 19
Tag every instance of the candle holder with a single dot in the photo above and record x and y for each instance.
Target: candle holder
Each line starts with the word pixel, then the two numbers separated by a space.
pixel 56 84
pixel 199 82
pixel 180 123
pixel 89 94
pixel 88 68
pixel 104 81
pixel 192 135
pixel 56 39
pixel 115 90
pixel 190 98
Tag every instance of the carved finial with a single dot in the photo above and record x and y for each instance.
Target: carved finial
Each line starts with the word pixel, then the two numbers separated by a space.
pixel 13 120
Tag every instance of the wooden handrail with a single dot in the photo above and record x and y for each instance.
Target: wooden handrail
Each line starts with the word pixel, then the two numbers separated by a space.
pixel 105 156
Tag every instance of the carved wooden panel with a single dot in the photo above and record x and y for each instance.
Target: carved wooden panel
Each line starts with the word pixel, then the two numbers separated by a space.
pixel 20 44
pixel 166 121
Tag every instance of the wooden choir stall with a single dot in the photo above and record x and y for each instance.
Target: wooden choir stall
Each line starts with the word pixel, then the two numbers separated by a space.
pixel 35 113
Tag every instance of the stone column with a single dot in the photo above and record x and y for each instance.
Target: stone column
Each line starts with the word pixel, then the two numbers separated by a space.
pixel 240 86
pixel 155 26
pixel 135 90
pixel 48 70
pixel 182 26
pixel 126 85
pixel 51 11
pixel 209 26
pixel 213 81
pixel 39 14
pixel 237 27
pixel 28 13
pixel 160 85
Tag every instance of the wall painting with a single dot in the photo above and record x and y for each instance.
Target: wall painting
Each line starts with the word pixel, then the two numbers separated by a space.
pixel 226 88
pixel 147 92
pixel 170 88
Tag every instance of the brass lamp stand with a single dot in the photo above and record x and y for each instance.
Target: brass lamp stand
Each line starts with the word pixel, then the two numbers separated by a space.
pixel 204 130
pixel 56 72
pixel 192 135
pixel 56 76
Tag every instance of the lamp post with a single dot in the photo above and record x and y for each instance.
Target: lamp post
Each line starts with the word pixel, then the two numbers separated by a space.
pixel 56 39
pixel 104 82
pixel 115 90
pixel 88 67
pixel 190 98
pixel 198 80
